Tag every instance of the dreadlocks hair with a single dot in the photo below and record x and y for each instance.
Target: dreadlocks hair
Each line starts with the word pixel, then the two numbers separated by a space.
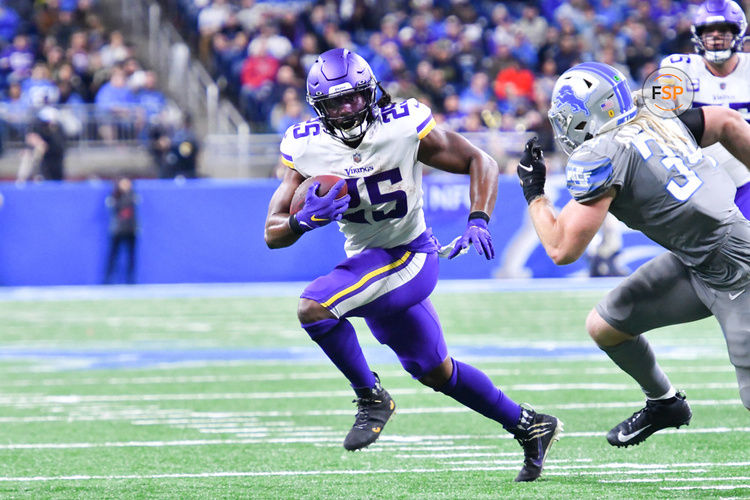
pixel 385 98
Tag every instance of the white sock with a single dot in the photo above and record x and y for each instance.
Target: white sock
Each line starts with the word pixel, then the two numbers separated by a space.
pixel 669 394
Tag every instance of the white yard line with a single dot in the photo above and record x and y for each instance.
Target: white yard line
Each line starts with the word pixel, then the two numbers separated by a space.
pixel 154 416
pixel 392 440
pixel 514 466
pixel 712 487
pixel 77 399
pixel 683 479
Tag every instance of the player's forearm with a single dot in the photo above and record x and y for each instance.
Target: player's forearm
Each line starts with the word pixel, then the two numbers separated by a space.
pixel 728 128
pixel 736 138
pixel 551 232
pixel 278 233
pixel 483 173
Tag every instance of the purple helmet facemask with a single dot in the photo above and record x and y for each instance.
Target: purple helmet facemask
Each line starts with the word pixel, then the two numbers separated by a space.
pixel 713 12
pixel 341 88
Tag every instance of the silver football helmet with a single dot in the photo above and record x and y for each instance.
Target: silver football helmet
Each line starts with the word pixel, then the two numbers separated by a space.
pixel 589 99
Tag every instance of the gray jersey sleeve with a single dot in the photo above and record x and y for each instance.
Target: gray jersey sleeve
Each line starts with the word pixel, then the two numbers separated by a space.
pixel 591 171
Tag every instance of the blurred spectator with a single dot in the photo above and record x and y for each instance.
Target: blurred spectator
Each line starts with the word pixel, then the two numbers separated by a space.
pixel 175 153
pixel 15 113
pixel 9 23
pixel 123 228
pixel 39 90
pixel 64 28
pixel 289 111
pixel 474 97
pixel 640 48
pixel 45 160
pixel 453 117
pixel 16 60
pixel 114 103
pixel 147 94
pixel 183 155
pixel 78 53
pixel 269 40
pixel 257 78
pixel 210 21
pixel 115 51
pixel 473 123
pixel 71 87
pixel 532 25
pixel 513 82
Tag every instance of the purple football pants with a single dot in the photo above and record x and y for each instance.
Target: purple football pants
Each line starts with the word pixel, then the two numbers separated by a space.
pixel 390 289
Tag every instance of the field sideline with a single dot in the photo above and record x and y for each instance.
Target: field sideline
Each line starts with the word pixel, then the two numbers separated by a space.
pixel 193 391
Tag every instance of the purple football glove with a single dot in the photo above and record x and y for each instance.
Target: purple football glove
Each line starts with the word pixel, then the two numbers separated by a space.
pixel 478 234
pixel 320 210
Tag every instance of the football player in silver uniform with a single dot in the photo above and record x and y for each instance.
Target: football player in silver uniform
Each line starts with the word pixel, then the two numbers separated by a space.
pixel 651 174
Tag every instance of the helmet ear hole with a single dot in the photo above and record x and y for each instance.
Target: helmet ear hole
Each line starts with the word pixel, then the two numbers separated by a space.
pixel 580 126
pixel 588 136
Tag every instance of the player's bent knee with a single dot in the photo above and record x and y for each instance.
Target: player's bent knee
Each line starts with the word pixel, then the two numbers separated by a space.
pixel 595 326
pixel 438 376
pixel 604 334
pixel 309 311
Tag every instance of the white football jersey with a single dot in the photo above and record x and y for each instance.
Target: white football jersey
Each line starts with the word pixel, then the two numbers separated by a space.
pixel 384 178
pixel 732 91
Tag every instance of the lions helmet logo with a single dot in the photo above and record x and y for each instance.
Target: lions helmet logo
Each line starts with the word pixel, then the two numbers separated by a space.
pixel 568 97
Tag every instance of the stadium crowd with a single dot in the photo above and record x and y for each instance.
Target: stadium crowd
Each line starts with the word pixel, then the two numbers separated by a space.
pixel 59 53
pixel 478 64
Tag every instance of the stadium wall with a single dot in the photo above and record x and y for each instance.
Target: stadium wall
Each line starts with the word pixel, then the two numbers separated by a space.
pixel 209 230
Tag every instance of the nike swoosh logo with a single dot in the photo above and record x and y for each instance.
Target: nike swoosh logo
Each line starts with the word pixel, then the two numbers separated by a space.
pixel 733 296
pixel 624 438
pixel 315 218
pixel 524 167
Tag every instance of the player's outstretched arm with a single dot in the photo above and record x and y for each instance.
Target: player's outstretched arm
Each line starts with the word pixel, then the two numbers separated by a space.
pixel 727 126
pixel 564 236
pixel 451 152
pixel 278 233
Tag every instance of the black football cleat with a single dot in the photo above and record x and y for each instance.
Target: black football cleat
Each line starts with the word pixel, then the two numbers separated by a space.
pixel 374 408
pixel 535 432
pixel 655 416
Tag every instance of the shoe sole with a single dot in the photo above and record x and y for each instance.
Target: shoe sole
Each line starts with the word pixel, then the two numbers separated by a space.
pixel 645 437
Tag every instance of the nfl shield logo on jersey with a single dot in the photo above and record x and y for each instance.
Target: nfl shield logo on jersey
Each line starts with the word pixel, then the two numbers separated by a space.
pixel 357 157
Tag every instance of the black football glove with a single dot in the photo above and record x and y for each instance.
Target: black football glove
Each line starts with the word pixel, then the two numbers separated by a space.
pixel 532 171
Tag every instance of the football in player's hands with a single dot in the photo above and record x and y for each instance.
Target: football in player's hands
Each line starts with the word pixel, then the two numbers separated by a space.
pixel 326 183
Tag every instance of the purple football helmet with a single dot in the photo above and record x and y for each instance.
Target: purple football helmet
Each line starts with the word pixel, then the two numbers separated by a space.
pixel 717 12
pixel 341 88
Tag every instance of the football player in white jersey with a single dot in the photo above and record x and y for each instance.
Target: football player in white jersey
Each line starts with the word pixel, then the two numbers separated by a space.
pixel 719 75
pixel 392 257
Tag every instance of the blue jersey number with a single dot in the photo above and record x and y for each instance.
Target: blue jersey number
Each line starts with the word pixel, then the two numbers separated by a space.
pixel 395 111
pixel 372 184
